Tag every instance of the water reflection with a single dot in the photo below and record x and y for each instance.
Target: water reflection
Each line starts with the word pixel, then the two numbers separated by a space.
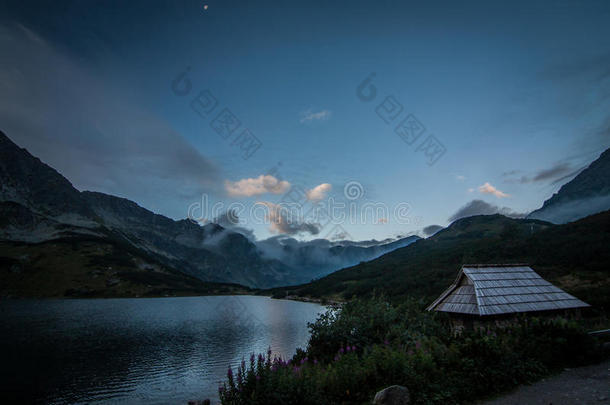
pixel 156 350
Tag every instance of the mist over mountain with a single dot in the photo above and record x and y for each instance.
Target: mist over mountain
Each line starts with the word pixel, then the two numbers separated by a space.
pixel 319 257
pixel 38 205
pixel 588 193
pixel 573 256
pixel 42 205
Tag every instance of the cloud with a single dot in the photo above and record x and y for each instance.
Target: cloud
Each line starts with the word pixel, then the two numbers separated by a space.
pixel 230 220
pixel 569 175
pixel 309 116
pixel 480 207
pixel 227 219
pixel 489 189
pixel 511 173
pixel 93 131
pixel 322 256
pixel 284 221
pixel 459 177
pixel 562 170
pixel 256 186
pixel 557 170
pixel 572 210
pixel 431 230
pixel 318 192
pixel 340 236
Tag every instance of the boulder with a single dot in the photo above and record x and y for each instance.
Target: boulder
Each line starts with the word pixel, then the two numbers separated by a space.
pixel 393 395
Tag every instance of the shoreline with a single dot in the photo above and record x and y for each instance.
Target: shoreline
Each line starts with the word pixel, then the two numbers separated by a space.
pixel 310 300
pixel 321 301
pixel 16 298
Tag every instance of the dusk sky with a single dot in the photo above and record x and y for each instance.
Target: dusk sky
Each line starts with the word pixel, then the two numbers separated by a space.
pixel 514 98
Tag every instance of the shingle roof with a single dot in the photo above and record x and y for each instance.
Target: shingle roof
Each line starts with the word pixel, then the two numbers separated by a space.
pixel 502 289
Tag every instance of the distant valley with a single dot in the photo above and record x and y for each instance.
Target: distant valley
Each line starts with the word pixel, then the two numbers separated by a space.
pixel 56 240
pixel 573 255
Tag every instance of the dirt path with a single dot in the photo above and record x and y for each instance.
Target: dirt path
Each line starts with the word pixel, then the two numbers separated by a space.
pixel 585 385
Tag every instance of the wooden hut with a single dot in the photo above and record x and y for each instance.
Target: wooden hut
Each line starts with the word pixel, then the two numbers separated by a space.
pixel 495 292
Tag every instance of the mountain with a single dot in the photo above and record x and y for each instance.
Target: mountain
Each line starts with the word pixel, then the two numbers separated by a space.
pixel 588 193
pixel 574 256
pixel 93 267
pixel 40 189
pixel 38 206
pixel 208 252
pixel 320 257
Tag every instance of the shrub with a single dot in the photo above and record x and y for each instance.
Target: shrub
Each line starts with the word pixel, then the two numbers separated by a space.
pixel 367 345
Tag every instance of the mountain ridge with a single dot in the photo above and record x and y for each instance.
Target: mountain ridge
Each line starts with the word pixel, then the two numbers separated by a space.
pixel 38 205
pixel 54 202
pixel 573 256
pixel 587 193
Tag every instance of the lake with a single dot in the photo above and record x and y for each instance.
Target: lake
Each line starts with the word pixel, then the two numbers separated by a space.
pixel 142 350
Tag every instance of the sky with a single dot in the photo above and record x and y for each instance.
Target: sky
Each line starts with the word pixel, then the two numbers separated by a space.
pixel 378 118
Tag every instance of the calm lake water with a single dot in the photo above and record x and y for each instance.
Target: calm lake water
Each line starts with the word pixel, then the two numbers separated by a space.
pixel 154 351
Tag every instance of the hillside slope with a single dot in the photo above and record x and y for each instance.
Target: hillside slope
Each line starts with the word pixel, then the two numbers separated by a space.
pixel 587 193
pixel 93 267
pixel 319 257
pixel 574 256
pixel 37 204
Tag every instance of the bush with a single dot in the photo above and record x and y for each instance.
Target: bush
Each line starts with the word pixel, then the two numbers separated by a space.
pixel 366 345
